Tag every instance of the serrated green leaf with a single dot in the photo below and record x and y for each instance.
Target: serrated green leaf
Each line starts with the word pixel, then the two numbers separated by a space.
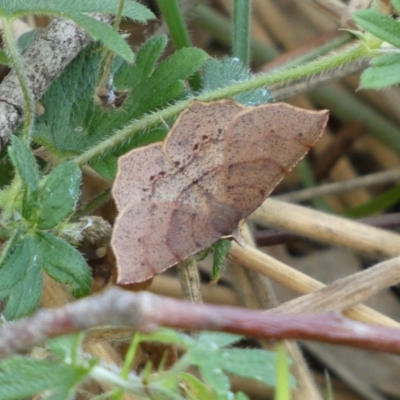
pixel 24 164
pixel 59 195
pixel 104 33
pixel 132 9
pixel 380 25
pixel 64 263
pixel 22 377
pixel 148 91
pixel 146 57
pixel 68 103
pixel 249 363
pixel 384 72
pixel 221 250
pixel 152 87
pixel 213 360
pixel 73 122
pixel 21 279
pixel 228 71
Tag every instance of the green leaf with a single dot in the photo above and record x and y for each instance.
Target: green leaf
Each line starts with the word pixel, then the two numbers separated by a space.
pixel 215 377
pixel 67 347
pixel 6 168
pixel 27 169
pixel 219 339
pixel 106 166
pixel 23 377
pixel 27 38
pixel 378 204
pixel 212 360
pixel 250 363
pixel 380 25
pixel 69 106
pixel 385 72
pixel 221 250
pixel 132 9
pixel 21 279
pixel 105 34
pixel 3 58
pixel 59 195
pixel 64 263
pixel 78 10
pixel 24 163
pixel 228 71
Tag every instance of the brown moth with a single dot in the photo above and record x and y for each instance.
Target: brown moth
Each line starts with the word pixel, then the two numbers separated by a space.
pixel 218 163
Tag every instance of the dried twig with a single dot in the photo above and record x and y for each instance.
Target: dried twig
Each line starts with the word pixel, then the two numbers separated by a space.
pixel 377 178
pixel 256 291
pixel 299 282
pixel 347 292
pixel 190 280
pixel 327 228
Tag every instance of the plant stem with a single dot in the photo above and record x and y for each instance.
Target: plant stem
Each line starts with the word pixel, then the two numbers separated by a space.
pixel 331 62
pixel 176 24
pixel 179 34
pixel 109 56
pixel 241 30
pixel 130 356
pixel 308 180
pixel 16 61
pixel 282 371
pixel 118 15
pixel 220 28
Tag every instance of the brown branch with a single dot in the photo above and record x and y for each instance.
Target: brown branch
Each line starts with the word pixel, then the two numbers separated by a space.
pixel 44 60
pixel 145 311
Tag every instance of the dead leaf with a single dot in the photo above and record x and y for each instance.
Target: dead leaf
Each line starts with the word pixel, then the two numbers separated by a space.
pixel 217 165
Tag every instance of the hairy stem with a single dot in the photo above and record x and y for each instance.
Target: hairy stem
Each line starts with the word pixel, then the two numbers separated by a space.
pixel 331 62
pixel 241 30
